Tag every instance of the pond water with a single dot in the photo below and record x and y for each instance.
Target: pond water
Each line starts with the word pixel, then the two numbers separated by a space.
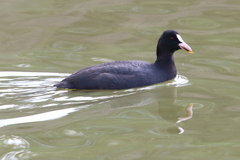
pixel 196 115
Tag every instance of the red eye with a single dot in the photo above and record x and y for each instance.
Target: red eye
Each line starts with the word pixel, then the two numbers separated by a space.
pixel 172 38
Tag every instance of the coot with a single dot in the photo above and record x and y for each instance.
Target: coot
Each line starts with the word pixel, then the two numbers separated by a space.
pixel 130 73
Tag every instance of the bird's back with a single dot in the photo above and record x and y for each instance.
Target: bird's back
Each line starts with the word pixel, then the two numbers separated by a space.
pixel 117 75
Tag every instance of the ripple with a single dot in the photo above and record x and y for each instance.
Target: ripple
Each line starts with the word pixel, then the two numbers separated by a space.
pixel 230 12
pixel 59 139
pixel 90 98
pixel 231 91
pixel 149 10
pixel 8 106
pixel 178 81
pixel 103 15
pixel 136 114
pixel 38 117
pixel 103 60
pixel 73 133
pixel 154 3
pixel 203 106
pixel 166 129
pixel 89 30
pixel 129 154
pixel 17 82
pixel 68 46
pixel 137 9
pixel 17 31
pixel 151 31
pixel 235 108
pixel 198 23
pixel 18 147
pixel 16 142
pixel 22 154
pixel 221 65
pixel 107 129
pixel 83 30
pixel 26 88
pixel 23 65
pixel 26 74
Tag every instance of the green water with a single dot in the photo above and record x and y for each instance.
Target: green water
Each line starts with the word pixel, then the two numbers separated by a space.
pixel 194 116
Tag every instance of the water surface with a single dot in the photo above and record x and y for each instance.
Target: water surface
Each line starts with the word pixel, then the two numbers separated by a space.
pixel 196 115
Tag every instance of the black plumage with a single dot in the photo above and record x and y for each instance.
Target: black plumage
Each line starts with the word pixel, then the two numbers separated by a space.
pixel 130 73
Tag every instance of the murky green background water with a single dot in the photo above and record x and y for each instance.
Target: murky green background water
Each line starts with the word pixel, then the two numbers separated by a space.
pixel 41 42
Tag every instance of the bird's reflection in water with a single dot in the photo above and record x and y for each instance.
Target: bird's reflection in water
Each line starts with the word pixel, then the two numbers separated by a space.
pixel 165 98
pixel 172 115
pixel 188 111
pixel 170 110
pixel 189 114
pixel 161 101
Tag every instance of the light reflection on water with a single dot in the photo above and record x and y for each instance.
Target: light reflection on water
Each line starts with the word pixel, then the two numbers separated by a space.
pixel 38 117
pixel 33 95
pixel 36 95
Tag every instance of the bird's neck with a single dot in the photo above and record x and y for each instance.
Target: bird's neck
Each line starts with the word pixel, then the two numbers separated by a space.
pixel 166 63
pixel 164 57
